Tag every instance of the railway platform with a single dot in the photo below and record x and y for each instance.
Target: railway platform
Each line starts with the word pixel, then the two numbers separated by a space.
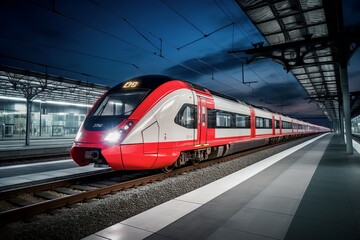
pixel 20 175
pixel 16 149
pixel 310 191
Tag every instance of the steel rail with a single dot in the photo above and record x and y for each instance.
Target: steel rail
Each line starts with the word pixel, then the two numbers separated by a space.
pixel 54 184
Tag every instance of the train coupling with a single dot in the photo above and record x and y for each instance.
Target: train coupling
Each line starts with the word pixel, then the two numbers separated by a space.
pixel 92 154
pixel 95 157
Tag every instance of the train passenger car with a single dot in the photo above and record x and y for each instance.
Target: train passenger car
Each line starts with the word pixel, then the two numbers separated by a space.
pixel 153 122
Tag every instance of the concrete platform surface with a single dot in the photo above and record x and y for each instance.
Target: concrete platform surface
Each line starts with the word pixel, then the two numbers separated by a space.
pixel 311 191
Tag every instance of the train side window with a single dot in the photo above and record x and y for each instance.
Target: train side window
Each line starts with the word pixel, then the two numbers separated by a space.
pixel 242 121
pixel 263 122
pixel 267 123
pixel 259 122
pixel 277 124
pixel 223 119
pixel 286 125
pixel 186 116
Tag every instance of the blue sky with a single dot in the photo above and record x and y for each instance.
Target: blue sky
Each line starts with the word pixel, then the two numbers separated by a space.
pixel 108 42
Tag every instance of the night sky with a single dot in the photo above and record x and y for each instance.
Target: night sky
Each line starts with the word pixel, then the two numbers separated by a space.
pixel 108 42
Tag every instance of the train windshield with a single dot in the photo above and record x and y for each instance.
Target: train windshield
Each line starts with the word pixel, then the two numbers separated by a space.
pixel 119 104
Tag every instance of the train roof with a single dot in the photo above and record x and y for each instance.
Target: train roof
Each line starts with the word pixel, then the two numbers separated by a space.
pixel 224 96
pixel 154 81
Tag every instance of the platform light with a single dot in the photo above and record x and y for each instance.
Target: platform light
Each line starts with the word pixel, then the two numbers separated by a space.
pixel 66 103
pixel 13 98
pixel 48 102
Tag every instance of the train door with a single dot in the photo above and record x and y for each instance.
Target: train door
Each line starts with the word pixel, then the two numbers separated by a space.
pixel 277 125
pixel 202 121
pixel 150 136
pixel 252 123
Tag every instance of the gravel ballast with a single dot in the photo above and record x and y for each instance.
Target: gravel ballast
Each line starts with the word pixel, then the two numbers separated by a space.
pixel 84 219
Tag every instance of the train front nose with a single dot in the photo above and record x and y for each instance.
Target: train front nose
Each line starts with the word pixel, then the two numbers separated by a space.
pixel 89 147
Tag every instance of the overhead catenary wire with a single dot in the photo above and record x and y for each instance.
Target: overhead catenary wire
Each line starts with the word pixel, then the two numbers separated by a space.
pixel 188 21
pixel 205 36
pixel 108 80
pixel 233 19
pixel 246 34
pixel 92 27
pixel 128 23
pixel 54 10
pixel 137 46
pixel 114 36
pixel 182 16
pixel 251 27
pixel 183 65
pixel 220 45
pixel 71 51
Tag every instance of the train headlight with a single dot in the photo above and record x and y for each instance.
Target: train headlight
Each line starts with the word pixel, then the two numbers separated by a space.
pixel 118 134
pixel 113 136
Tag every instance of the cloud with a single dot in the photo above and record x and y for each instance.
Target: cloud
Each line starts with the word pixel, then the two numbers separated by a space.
pixel 287 92
pixel 354 83
pixel 287 96
pixel 207 65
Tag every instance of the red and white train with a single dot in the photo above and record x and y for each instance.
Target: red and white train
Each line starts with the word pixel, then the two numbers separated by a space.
pixel 153 122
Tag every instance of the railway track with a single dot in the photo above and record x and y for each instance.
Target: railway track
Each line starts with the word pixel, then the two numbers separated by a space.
pixel 24 203
pixel 10 161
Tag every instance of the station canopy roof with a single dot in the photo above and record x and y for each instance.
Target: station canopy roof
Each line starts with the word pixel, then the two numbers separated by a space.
pixel 289 21
pixel 20 83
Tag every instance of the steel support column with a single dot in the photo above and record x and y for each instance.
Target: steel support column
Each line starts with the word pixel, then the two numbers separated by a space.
pixel 336 126
pixel 346 108
pixel 40 111
pixel 341 122
pixel 28 121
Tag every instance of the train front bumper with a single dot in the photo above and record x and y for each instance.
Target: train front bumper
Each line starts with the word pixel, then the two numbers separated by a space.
pixel 85 153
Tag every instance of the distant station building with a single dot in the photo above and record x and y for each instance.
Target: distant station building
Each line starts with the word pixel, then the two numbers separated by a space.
pixel 355 125
pixel 355 112
pixel 48 119
pixel 58 105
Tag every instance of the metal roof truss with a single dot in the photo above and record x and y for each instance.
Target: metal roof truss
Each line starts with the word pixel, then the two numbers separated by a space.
pixel 297 31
